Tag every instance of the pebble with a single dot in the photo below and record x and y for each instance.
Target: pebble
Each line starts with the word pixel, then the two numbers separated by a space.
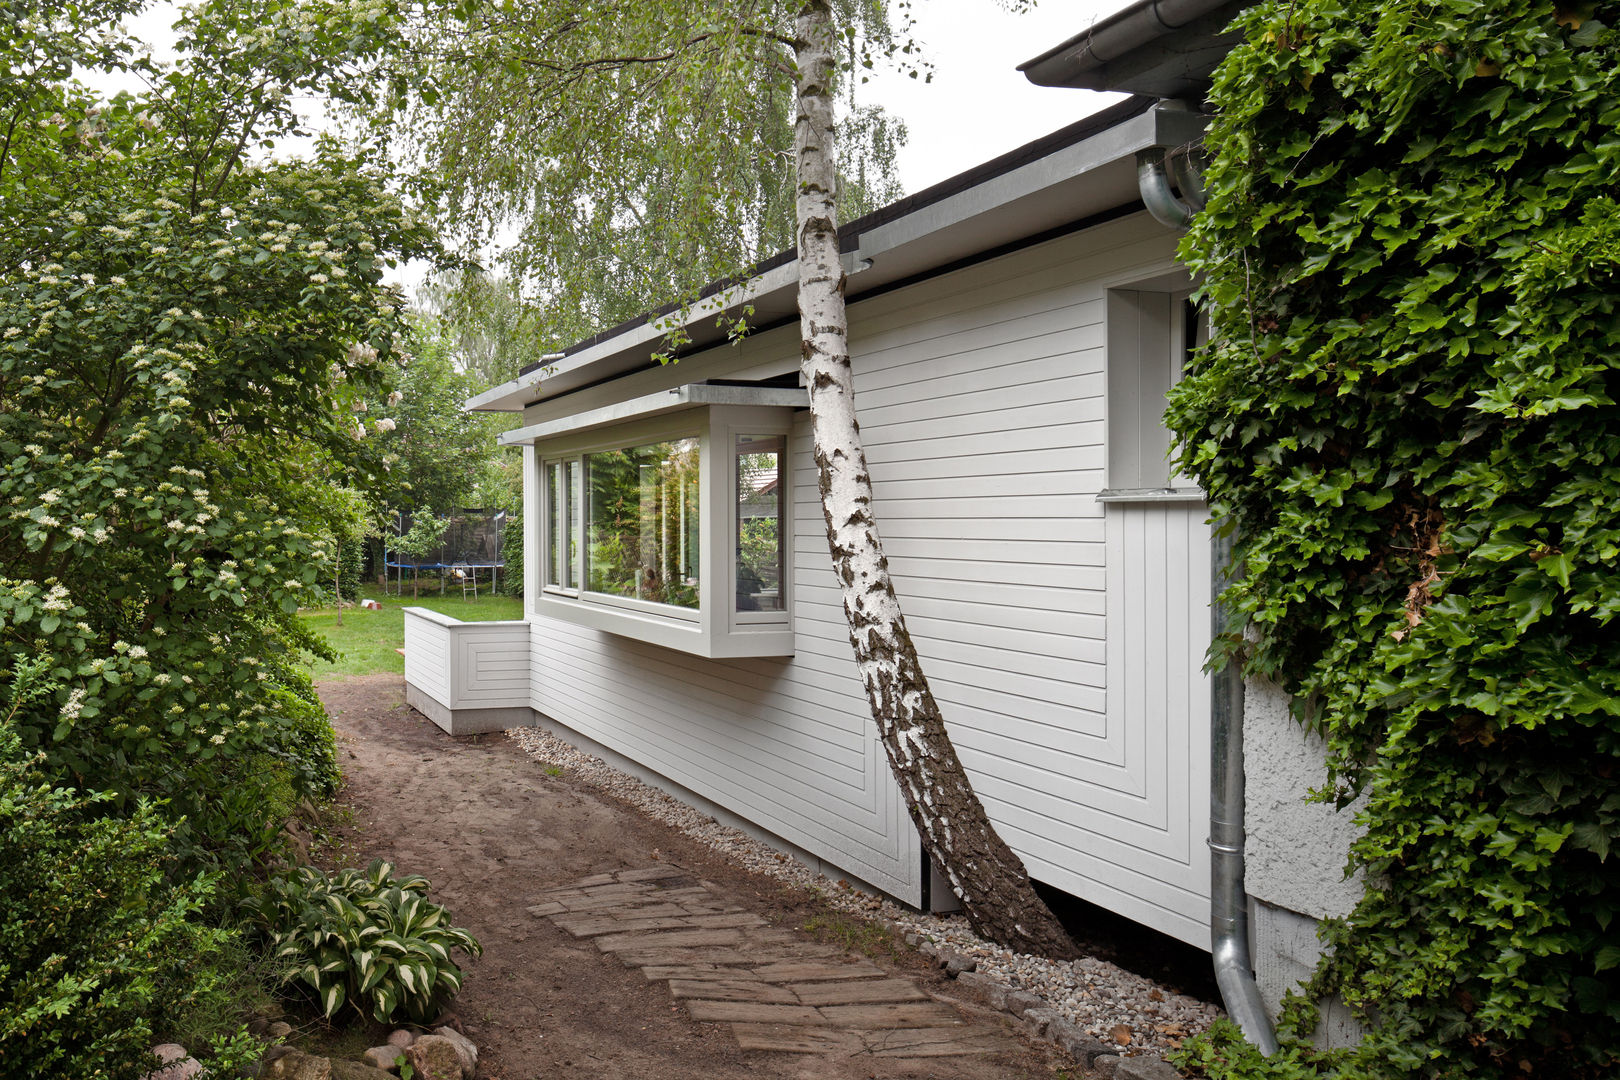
pixel 1095 996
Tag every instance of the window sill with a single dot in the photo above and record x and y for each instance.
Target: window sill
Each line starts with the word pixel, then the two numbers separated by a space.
pixel 1151 495
pixel 696 637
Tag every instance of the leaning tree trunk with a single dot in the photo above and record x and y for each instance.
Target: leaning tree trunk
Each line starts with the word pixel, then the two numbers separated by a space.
pixel 987 876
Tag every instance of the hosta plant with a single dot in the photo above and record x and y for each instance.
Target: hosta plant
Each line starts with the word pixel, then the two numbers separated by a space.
pixel 365 939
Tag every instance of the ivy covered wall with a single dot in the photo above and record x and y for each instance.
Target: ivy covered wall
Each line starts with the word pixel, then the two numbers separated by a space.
pixel 1412 253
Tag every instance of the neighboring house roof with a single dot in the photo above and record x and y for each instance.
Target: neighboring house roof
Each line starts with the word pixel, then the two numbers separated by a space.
pixel 1163 48
pixel 1073 176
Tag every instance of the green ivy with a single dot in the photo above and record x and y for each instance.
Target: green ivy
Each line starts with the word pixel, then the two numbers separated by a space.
pixel 1412 253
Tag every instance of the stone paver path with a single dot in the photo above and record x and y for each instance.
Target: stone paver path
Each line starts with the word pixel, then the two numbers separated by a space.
pixel 778 992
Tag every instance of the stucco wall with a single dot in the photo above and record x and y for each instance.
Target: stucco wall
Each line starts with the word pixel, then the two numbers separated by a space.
pixel 1296 850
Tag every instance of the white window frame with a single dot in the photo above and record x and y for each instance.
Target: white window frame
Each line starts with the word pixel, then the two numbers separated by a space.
pixel 1148 332
pixel 715 628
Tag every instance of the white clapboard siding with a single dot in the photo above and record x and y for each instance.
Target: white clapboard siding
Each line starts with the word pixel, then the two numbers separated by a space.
pixel 427 656
pixel 1063 637
pixel 467 676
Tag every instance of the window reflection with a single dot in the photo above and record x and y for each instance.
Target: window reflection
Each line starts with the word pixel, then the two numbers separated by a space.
pixel 642 531
pixel 761 479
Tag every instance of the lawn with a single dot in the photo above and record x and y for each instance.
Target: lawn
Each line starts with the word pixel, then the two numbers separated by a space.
pixel 367 639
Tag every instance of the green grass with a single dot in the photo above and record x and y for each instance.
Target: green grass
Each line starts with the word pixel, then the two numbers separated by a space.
pixel 367 639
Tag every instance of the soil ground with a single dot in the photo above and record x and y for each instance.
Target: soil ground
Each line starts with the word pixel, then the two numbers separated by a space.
pixel 492 830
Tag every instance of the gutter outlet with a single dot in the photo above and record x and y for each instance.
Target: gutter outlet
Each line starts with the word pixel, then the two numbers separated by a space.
pixel 1154 185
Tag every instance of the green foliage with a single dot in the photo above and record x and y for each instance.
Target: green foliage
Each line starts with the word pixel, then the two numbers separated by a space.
pixel 636 151
pixel 512 556
pixel 365 939
pixel 183 332
pixel 1410 420
pixel 433 449
pixel 97 946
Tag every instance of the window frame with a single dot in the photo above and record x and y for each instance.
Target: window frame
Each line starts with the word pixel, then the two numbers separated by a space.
pixel 714 628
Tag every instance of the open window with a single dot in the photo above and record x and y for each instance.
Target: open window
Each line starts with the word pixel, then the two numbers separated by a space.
pixel 670 524
pixel 1153 331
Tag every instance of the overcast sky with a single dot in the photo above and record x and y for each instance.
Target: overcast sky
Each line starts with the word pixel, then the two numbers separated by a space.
pixel 976 107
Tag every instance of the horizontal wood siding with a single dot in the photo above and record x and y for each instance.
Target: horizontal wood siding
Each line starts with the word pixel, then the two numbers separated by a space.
pixel 1067 661
pixel 427 657
pixel 492 665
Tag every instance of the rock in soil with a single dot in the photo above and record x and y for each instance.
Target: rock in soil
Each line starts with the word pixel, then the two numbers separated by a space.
pixel 435 1057
pixel 177 1064
pixel 354 1070
pixel 297 1065
pixel 1145 1068
pixel 383 1057
pixel 464 1046
pixel 401 1038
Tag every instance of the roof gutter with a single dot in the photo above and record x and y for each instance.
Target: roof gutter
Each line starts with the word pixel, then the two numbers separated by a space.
pixel 1084 61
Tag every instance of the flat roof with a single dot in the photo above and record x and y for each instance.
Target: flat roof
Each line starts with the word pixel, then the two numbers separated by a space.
pixel 1073 174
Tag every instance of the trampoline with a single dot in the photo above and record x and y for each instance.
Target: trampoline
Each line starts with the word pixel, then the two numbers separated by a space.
pixel 471 546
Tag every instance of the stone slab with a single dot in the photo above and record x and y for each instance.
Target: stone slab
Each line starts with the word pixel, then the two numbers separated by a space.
pixel 753 1012
pixel 905 1015
pixel 667 972
pixel 731 990
pixel 796 1039
pixel 817 970
pixel 670 874
pixel 935 1042
pixel 542 911
pixel 669 939
pixel 644 958
pixel 594 924
pixel 857 992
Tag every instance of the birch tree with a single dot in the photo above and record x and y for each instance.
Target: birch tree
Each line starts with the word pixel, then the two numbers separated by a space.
pixel 734 54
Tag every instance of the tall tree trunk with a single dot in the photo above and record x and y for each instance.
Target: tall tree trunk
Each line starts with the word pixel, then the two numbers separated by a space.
pixel 987 876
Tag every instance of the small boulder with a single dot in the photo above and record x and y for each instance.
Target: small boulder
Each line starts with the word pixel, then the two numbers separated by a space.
pixel 1039 1020
pixel 279 1030
pixel 401 1038
pixel 1105 1065
pixel 297 1065
pixel 464 1045
pixel 1021 1001
pixel 383 1057
pixel 1080 1044
pixel 1145 1068
pixel 176 1063
pixel 354 1070
pixel 434 1057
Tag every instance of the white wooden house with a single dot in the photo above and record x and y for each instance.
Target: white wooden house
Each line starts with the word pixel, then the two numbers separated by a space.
pixel 1013 333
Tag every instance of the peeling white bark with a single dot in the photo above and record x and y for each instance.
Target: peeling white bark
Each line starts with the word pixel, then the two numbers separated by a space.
pixel 986 875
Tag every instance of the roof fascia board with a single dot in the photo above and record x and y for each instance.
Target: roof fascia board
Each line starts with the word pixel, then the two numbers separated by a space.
pixel 1155 127
pixel 690 396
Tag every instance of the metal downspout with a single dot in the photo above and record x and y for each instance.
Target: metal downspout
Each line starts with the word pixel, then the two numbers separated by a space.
pixel 1228 902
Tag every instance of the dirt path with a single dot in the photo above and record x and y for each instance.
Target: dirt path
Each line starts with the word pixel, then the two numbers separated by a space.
pixel 496 836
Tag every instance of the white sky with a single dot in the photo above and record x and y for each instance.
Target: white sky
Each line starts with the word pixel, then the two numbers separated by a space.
pixel 977 106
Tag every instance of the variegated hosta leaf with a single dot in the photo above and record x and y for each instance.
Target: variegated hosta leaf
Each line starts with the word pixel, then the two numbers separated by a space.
pixel 332 999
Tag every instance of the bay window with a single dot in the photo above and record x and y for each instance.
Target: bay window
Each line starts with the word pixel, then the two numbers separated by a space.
pixel 670 525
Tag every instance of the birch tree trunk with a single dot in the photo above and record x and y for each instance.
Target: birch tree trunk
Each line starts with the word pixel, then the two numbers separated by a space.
pixel 990 880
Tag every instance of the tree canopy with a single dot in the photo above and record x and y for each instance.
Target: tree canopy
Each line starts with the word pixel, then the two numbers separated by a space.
pixel 622 155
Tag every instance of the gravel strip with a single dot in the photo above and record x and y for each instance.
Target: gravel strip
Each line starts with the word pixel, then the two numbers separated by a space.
pixel 1118 1007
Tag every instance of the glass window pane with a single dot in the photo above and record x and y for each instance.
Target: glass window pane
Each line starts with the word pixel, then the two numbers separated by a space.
pixel 571 543
pixel 761 479
pixel 641 533
pixel 555 526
